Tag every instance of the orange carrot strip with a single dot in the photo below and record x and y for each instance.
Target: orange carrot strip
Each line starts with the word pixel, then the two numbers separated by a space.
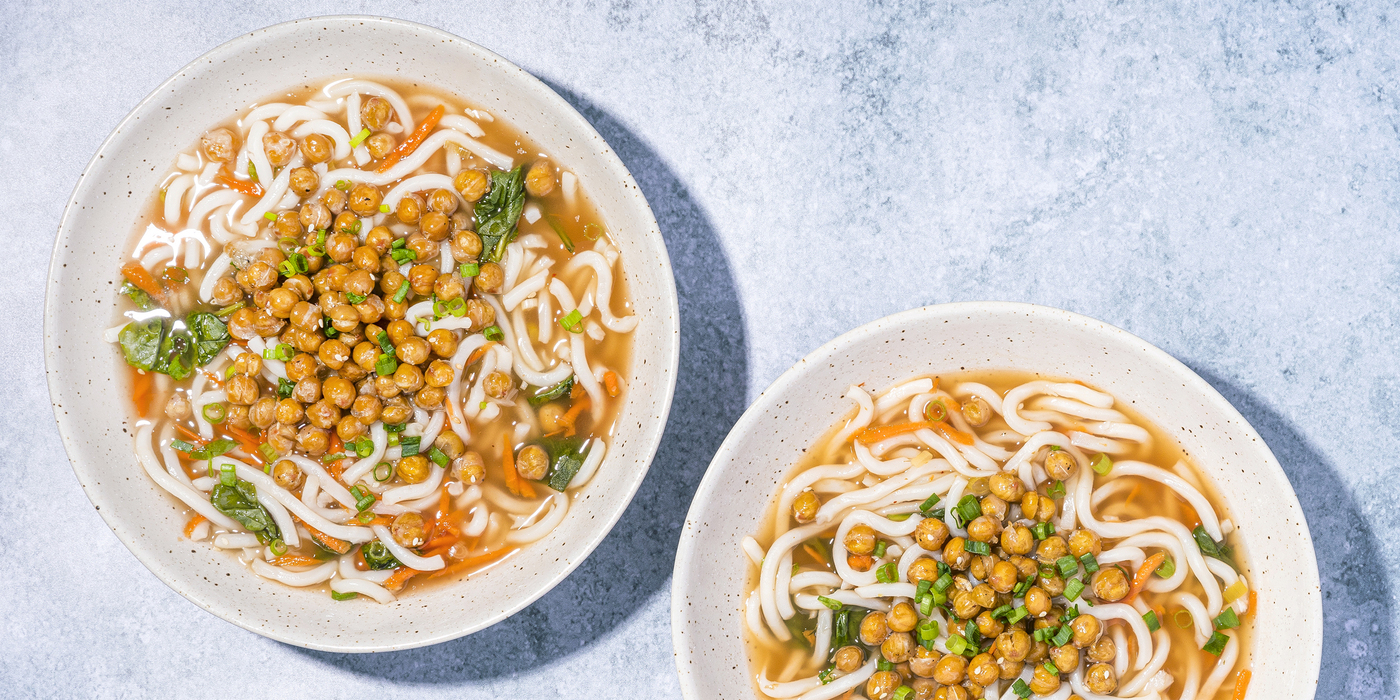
pixel 192 524
pixel 443 550
pixel 245 439
pixel 477 354
pixel 1143 573
pixel 142 389
pixel 295 560
pixel 436 542
pixel 874 435
pixel 1253 601
pixel 473 561
pixel 1241 684
pixel 571 416
pixel 815 554
pixel 411 143
pixel 1132 494
pixel 517 485
pixel 326 541
pixel 952 433
pixel 192 435
pixel 248 187
pixel 400 576
pixel 138 276
pixel 610 383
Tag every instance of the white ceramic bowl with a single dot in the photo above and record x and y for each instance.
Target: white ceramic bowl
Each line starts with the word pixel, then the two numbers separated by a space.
pixel 91 407
pixel 711 571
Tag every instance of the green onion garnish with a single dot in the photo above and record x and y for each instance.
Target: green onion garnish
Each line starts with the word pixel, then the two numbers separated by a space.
pixel 267 451
pixel 342 185
pixel 354 298
pixel 956 644
pixel 385 365
pixel 1217 643
pixel 469 269
pixel 928 504
pixel 268 215
pixel 898 517
pixel 344 596
pixel 409 444
pixel 1020 688
pixel 226 476
pixel 1167 568
pixel 438 457
pixel 1090 562
pixel 976 547
pixel 228 310
pixel 903 692
pixel 887 573
pixel 252 172
pixel 384 209
pixel 214 412
pixel 1043 531
pixel 383 471
pixel 1153 624
pixel 1001 611
pixel 1056 490
pixel 572 322
pixel 825 675
pixel 1073 588
pixel 935 411
pixel 1062 637
pixel 880 549
pixel 278 547
pixel 833 604
pixel 359 139
pixel 927 629
pixel 884 665
pixel 1051 668
pixel 493 333
pixel 1102 465
pixel 925 602
pixel 969 508
pixel 943 583
pixel 1182 619
pixel 1018 614
pixel 1067 565
pixel 365 518
pixel 924 586
pixel 1227 620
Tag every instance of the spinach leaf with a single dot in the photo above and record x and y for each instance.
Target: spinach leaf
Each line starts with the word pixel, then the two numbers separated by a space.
pixel 553 392
pixel 567 459
pixel 210 451
pixel 379 557
pixel 210 336
pixel 140 343
pixel 499 211
pixel 240 502
pixel 143 300
pixel 176 357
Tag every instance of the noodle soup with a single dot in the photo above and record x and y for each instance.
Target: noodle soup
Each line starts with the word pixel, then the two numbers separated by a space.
pixel 375 338
pixel 996 535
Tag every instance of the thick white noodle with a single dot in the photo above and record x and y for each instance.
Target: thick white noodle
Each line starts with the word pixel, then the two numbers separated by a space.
pixel 346 569
pixel 1209 520
pixel 264 483
pixel 1222 669
pixel 380 437
pixel 296 114
pixel 348 88
pixel 902 393
pixel 417 159
pixel 313 469
pixel 1010 405
pixel 418 183
pixel 414 491
pixel 878 523
pixel 405 555
pixel 363 587
pixel 309 577
pixel 597 449
pixel 802 481
pixel 329 129
pixel 1202 621
pixel 196 501
pixel 1126 613
pixel 537 531
pixel 602 272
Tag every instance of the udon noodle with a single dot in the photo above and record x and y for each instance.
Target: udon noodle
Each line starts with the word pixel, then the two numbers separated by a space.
pixel 375 337
pixel 996 536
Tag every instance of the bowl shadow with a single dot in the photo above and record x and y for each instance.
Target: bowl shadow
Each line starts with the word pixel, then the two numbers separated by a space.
pixel 1358 654
pixel 634 562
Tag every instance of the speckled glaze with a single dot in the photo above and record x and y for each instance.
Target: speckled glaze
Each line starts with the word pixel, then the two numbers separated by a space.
pixel 89 401
pixel 711 571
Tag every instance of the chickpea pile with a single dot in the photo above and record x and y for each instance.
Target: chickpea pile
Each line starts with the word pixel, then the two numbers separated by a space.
pixel 331 301
pixel 1011 590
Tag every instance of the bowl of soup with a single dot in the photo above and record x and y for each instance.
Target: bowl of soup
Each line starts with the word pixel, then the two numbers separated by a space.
pixel 363 348
pixel 994 500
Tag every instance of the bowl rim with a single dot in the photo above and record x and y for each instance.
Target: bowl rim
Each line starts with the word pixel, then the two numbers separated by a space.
pixel 562 111
pixel 710 484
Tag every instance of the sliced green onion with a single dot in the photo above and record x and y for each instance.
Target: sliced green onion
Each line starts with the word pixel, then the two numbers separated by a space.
pixel 828 602
pixel 1102 465
pixel 825 675
pixel 943 583
pixel 278 547
pixel 969 508
pixel 935 411
pixel 358 139
pixel 438 457
pixel 925 603
pixel 365 518
pixel 1090 562
pixel 1067 565
pixel 1167 568
pixel 469 269
pixel 572 322
pixel 887 573
pixel 1062 637
pixel 976 547
pixel 1043 531
pixel 401 255
pixel 884 665
pixel 365 503
pixel 268 215
pixel 1153 624
pixel 385 365
pixel 956 644
pixel 228 372
pixel 924 586
pixel 898 517
pixel 226 476
pixel 383 471
pixel 343 185
pixel 558 227
pixel 344 596
pixel 592 231
pixel 267 451
pixel 409 445
pixel 384 209
pixel 903 692
pixel 1227 620
pixel 928 504
pixel 354 298
pixel 1020 688
pixel 493 333
pixel 401 293
pixel 1056 490
pixel 1182 619
pixel 214 412
pixel 880 549
pixel 1018 614
pixel 1051 668
pixel 1073 588
pixel 252 172
pixel 1217 643
pixel 1001 611
pixel 285 387
pixel 281 351
pixel 228 310
pixel 927 629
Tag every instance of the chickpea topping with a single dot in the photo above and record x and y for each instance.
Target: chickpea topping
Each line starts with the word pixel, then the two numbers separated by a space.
pixel 220 145
pixel 380 145
pixel 410 209
pixel 902 618
pixel 178 407
pixel 471 184
pixel 489 278
pixel 375 113
pixel 413 469
pixel 532 462
pixel 804 507
pixel 470 468
pixel 849 658
pixel 279 148
pixel 873 629
pixel 497 385
pixel 1060 465
pixel 408 530
pixel 1110 584
pixel 950 669
pixel 316 148
pixel 860 539
pixel 1101 679
pixel 931 533
pixel 287 474
pixel 882 685
pixel 539 180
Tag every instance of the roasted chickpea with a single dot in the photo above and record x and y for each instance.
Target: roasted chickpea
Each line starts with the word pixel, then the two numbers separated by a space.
pixel 898 647
pixel 220 145
pixel 489 278
pixel 323 414
pixel 409 530
pixel 1065 658
pixel 279 148
pixel 449 287
pixel 964 604
pixel 430 397
pixel 1044 682
pixel 366 408
pixel 873 629
pixel 1101 679
pixel 226 292
pixel 902 617
pixel 1014 644
pixel 1110 584
pixel 1003 577
pixel 242 390
pixel 349 428
pixel 443 342
pixel 470 468
pixel 313 440
pixel 1086 630
pixel 396 410
pixel 413 469
pixel 413 350
pixel 335 200
pixel 931 533
pixel 955 554
pixel 307 389
pixel 923 662
pixel 1102 650
pixel 952 692
pixel 983 670
pixel 398 331
pixel 287 474
pixel 923 569
pixel 340 247
pixel 471 184
pixel 497 385
pixel 288 411
pixel 1038 506
pixel 950 669
pixel 333 353
pixel 1083 542
pixel 376 113
pixel 366 354
pixel 989 626
pixel 480 314
pixel 984 528
pixel 338 391
pixel 365 199
pixel 1051 549
pixel 346 223
pixel 316 148
pixel 410 209
pixel 849 658
pixel 551 419
pixel 421 278
pixel 380 145
pixel 882 685
pixel 983 595
pixel 258 276
pixel 408 378
pixel 539 180
pixel 1017 539
pixel 262 413
pixel 466 245
pixel 860 539
pixel 977 413
pixel 1006 486
pixel 435 226
pixel 442 200
pixel 301 366
pixel 304 181
pixel 314 216
pixel 450 445
pixel 532 462
pixel 178 407
pixel 1060 465
pixel 438 374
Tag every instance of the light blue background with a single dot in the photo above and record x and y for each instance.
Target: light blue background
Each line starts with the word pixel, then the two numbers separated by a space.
pixel 1223 182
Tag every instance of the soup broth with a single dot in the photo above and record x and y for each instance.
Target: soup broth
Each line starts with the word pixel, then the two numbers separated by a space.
pixel 882 623
pixel 351 321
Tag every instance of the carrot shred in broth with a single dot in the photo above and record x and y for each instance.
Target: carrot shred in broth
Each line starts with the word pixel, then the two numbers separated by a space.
pixel 295 560
pixel 472 562
pixel 1144 573
pixel 1241 683
pixel 142 391
pixel 192 524
pixel 401 575
pixel 248 187
pixel 143 280
pixel 952 433
pixel 610 383
pixel 415 139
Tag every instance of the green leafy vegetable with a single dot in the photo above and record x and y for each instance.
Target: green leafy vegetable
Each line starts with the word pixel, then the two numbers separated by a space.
pixel 211 336
pixel 567 460
pixel 210 451
pixel 176 357
pixel 553 392
pixel 240 502
pixel 140 343
pixel 499 211
pixel 143 300
pixel 558 227
pixel 379 557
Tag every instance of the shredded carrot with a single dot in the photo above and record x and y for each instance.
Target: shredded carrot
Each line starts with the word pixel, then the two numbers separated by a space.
pixel 874 435
pixel 359 561
pixel 138 276
pixel 400 576
pixel 246 440
pixel 1241 684
pixel 442 549
pixel 1132 494
pixel 848 695
pixel 610 383
pixel 414 139
pixel 1253 601
pixel 248 187
pixel 815 554
pixel 473 561
pixel 295 560
pixel 571 416
pixel 326 541
pixel 142 390
pixel 192 435
pixel 1144 572
pixel 952 433
pixel 192 524
pixel 477 354
pixel 518 486
pixel 436 542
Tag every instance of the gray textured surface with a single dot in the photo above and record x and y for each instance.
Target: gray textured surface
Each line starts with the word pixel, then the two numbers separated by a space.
pixel 1223 183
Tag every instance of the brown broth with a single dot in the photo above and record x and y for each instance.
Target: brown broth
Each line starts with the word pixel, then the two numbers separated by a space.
pixel 1146 498
pixel 581 222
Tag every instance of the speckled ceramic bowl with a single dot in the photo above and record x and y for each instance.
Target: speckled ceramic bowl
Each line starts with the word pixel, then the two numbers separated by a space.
pixel 89 400
pixel 711 574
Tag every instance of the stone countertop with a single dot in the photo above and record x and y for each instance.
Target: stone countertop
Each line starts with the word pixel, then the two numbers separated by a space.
pixel 1222 183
